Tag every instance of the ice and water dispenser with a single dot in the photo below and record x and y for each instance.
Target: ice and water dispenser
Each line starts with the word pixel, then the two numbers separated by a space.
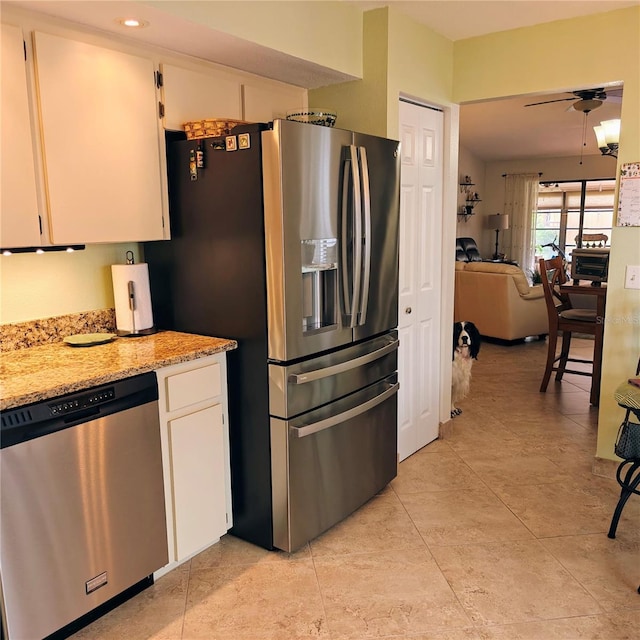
pixel 319 283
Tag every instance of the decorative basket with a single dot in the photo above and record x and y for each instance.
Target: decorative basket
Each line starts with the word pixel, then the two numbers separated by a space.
pixel 322 117
pixel 210 128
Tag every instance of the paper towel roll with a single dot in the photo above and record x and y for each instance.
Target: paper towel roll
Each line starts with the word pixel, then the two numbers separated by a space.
pixel 131 288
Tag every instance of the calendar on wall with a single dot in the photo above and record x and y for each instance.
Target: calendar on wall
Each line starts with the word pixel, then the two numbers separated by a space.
pixel 629 196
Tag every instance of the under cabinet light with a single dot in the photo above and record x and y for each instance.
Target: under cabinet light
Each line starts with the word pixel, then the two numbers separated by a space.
pixel 40 250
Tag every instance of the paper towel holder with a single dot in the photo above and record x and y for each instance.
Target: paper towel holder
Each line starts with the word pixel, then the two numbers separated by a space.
pixel 133 332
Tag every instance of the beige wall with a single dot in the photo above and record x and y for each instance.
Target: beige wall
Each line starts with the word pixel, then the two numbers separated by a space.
pixel 54 284
pixel 325 32
pixel 553 57
pixel 474 226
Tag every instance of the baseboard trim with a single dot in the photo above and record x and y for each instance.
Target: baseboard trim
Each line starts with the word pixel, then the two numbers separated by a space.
pixel 445 432
pixel 605 468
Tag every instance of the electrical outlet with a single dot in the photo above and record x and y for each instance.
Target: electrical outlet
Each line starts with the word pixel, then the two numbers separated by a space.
pixel 632 277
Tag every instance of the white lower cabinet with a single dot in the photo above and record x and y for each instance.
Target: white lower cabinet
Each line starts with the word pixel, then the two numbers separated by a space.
pixel 195 452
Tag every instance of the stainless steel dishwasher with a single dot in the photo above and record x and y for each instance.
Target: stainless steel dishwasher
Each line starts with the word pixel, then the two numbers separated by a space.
pixel 82 514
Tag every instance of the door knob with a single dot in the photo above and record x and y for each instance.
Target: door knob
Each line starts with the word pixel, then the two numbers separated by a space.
pixel 407 310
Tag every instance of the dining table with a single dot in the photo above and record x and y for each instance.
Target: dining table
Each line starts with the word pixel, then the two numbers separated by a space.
pixel 599 291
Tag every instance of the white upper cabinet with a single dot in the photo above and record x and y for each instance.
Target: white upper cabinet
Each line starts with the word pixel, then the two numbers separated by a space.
pixel 188 96
pixel 263 103
pixel 19 221
pixel 101 142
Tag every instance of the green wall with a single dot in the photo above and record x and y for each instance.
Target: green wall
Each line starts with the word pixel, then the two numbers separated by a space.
pixel 401 57
pixel 362 104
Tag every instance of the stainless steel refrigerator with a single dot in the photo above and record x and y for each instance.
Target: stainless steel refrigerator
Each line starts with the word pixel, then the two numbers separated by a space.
pixel 285 238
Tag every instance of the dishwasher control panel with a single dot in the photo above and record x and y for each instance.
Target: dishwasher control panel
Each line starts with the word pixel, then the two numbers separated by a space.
pixel 38 419
pixel 76 403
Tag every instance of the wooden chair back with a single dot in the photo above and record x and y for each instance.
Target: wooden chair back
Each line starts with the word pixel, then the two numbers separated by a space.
pixel 591 240
pixel 553 275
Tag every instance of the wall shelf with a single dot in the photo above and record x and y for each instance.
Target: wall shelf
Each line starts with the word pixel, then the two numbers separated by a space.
pixel 471 198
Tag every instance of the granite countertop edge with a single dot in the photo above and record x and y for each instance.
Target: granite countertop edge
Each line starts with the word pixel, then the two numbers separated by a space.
pixel 43 372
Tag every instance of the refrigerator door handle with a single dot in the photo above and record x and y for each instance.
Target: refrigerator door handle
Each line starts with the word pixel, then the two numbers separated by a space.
pixel 351 280
pixel 327 423
pixel 366 209
pixel 345 227
pixel 327 372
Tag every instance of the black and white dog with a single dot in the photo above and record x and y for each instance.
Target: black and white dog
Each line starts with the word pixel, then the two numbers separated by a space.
pixel 466 346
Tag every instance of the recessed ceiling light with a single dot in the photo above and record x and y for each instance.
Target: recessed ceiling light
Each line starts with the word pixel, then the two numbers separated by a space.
pixel 132 23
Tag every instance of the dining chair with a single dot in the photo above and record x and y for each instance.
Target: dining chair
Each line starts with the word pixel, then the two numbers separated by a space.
pixel 563 318
pixel 627 395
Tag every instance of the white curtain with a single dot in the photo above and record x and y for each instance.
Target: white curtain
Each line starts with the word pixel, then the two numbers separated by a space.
pixel 520 203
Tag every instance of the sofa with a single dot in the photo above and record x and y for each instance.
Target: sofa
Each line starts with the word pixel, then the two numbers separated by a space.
pixel 498 299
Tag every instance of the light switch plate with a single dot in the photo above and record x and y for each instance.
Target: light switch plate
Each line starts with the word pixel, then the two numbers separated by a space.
pixel 632 277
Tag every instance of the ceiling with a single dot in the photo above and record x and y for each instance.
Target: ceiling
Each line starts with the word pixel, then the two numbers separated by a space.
pixel 495 130
pixel 458 19
pixel 507 130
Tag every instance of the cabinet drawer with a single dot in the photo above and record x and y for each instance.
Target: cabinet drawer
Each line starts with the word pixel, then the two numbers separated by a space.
pixel 193 386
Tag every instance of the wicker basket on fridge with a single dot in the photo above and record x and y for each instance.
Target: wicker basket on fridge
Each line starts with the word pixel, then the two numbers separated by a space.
pixel 210 128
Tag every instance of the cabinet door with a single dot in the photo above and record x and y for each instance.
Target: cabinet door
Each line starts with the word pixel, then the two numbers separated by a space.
pixel 19 223
pixel 264 103
pixel 199 490
pixel 190 95
pixel 100 132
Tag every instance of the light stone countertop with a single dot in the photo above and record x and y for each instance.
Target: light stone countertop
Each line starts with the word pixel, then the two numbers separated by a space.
pixel 46 371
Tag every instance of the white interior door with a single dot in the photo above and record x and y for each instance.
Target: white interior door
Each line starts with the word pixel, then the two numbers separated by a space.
pixel 421 136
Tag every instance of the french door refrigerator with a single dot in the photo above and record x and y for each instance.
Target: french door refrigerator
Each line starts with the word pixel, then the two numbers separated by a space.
pixel 285 238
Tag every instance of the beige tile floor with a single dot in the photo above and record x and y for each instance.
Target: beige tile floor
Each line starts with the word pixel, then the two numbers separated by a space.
pixel 496 533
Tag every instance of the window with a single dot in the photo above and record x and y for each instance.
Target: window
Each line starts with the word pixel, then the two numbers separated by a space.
pixel 566 209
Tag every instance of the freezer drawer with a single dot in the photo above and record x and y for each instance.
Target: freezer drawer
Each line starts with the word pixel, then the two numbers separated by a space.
pixel 329 462
pixel 299 387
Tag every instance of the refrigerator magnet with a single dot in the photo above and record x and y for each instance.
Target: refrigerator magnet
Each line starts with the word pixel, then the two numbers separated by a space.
pixel 244 141
pixel 231 143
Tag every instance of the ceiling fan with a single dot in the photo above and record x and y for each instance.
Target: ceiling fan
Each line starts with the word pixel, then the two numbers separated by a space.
pixel 589 99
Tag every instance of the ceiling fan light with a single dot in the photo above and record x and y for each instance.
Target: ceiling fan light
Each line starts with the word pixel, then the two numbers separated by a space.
pixel 600 136
pixel 611 131
pixel 587 105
